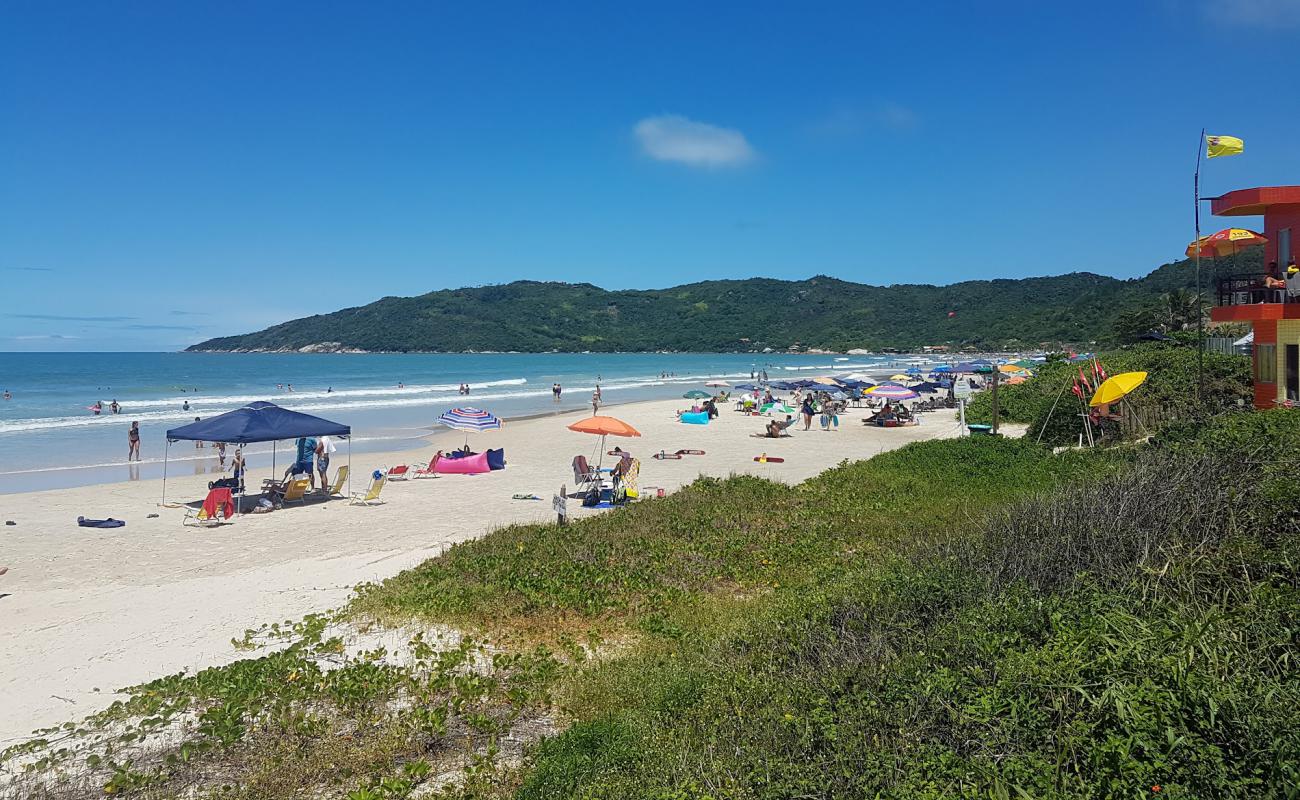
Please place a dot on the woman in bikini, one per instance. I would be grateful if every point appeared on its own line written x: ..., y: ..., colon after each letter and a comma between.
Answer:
x: 133, y: 442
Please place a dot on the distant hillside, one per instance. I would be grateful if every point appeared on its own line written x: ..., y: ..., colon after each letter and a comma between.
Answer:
x: 735, y: 315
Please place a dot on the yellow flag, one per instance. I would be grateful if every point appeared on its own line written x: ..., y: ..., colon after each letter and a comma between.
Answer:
x: 1216, y: 146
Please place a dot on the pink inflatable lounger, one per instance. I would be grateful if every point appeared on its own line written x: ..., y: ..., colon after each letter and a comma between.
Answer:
x: 470, y: 465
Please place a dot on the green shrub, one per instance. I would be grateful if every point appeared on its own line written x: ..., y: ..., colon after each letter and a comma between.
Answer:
x: 1046, y: 404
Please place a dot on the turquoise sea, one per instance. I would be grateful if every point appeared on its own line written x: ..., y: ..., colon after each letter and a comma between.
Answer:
x: 49, y: 438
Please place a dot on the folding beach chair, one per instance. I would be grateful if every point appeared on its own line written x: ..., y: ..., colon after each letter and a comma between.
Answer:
x: 584, y: 472
x: 370, y: 496
x: 426, y: 470
x: 340, y: 479
x: 217, y: 507
x: 399, y: 473
x: 296, y: 491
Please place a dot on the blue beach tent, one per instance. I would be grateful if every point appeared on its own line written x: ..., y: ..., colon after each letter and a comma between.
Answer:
x: 257, y: 422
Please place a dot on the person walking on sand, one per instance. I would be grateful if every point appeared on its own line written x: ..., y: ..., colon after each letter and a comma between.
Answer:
x: 595, y: 402
x: 133, y: 442
x: 806, y: 410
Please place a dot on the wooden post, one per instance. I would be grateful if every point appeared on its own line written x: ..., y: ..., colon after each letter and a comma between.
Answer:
x: 996, y: 374
x: 560, y: 504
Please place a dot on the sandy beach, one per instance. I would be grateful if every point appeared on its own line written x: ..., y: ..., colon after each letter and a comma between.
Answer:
x: 86, y: 611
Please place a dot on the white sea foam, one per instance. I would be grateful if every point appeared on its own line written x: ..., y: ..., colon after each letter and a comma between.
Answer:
x: 168, y: 410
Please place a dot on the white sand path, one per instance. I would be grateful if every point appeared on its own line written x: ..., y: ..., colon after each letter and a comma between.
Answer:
x: 84, y: 612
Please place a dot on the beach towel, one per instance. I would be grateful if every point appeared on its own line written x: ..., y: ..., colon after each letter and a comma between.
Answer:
x: 100, y: 523
x: 218, y: 499
x: 524, y: 497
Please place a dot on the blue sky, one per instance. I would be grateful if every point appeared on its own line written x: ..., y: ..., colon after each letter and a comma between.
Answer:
x: 174, y: 171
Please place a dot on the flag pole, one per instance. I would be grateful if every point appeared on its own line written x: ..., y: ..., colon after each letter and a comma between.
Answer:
x: 1200, y: 314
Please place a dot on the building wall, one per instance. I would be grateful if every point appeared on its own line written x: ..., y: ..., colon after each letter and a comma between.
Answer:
x: 1275, y: 219
x: 1288, y: 332
x: 1265, y: 334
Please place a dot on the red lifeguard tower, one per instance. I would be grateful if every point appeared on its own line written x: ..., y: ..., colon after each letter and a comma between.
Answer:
x: 1274, y: 314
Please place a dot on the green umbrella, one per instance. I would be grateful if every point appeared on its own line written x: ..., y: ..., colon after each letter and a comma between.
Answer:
x: 779, y: 407
x: 696, y: 394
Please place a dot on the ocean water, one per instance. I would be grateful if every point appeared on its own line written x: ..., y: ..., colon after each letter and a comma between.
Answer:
x: 49, y: 438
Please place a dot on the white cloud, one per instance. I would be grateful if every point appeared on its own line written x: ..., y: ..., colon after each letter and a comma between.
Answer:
x: 1253, y: 13
x: 670, y: 137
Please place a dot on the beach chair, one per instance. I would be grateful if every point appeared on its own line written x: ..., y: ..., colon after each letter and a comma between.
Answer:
x: 340, y: 480
x: 401, y: 472
x: 217, y: 507
x: 584, y: 472
x: 426, y: 470
x: 296, y: 491
x: 371, y: 496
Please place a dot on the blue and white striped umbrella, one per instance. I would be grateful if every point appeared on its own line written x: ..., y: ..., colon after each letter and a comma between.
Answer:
x: 470, y: 419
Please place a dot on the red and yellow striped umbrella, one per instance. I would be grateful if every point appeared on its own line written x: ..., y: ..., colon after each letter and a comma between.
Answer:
x: 1225, y: 242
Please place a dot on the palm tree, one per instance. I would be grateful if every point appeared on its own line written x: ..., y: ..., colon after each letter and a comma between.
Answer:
x: 1181, y: 309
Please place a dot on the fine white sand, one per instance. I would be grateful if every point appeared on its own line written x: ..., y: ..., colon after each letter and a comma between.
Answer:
x: 84, y: 611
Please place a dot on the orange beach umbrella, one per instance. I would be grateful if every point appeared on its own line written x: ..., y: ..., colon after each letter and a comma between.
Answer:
x: 1225, y: 242
x: 604, y: 426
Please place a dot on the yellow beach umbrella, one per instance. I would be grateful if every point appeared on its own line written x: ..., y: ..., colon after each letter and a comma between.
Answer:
x: 1015, y: 380
x: 1116, y: 387
x: 1014, y: 369
x: 824, y: 381
x: 1225, y: 242
x: 901, y: 377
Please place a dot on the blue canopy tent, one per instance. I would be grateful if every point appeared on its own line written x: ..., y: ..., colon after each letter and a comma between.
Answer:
x: 257, y: 422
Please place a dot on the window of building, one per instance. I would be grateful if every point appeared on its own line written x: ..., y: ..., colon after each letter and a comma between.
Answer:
x: 1284, y: 255
x: 1266, y: 363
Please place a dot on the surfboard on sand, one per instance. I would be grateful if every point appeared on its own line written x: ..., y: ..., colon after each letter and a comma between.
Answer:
x: 766, y: 459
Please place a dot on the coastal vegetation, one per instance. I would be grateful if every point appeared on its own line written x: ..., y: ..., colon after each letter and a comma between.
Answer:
x: 1171, y: 393
x: 974, y: 617
x: 741, y: 315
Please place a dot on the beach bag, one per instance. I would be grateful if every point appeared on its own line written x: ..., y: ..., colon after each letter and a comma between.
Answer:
x: 496, y: 459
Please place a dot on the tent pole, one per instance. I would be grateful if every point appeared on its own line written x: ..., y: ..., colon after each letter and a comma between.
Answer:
x: 166, y: 451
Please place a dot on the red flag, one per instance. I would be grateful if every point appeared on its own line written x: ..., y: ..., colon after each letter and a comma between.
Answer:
x: 1084, y: 380
x: 1077, y: 391
x: 1098, y: 370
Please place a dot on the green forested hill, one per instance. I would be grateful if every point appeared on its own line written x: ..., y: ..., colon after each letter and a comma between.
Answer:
x: 752, y: 314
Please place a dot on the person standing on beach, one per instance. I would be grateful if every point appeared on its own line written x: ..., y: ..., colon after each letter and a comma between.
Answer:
x: 198, y: 443
x: 595, y: 402
x: 323, y: 446
x: 806, y: 409
x: 133, y: 442
x: 302, y: 465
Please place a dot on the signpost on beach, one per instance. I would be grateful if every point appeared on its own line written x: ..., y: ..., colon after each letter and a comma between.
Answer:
x: 560, y: 505
x: 961, y: 391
